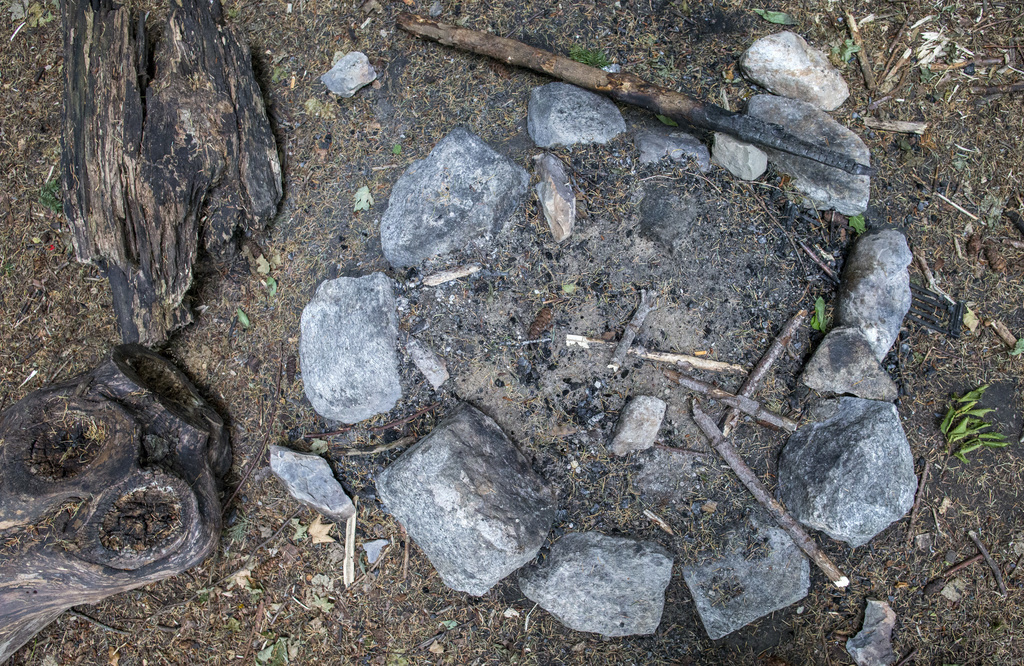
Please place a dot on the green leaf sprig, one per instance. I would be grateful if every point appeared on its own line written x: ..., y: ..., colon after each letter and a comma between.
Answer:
x: 963, y: 425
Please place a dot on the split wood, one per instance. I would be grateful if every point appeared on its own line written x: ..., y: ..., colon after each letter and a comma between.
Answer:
x: 658, y: 356
x: 744, y: 404
x: 629, y: 89
x: 904, y: 126
x: 988, y: 560
x: 862, y: 54
x: 750, y: 384
x: 447, y: 276
x: 349, y: 566
x: 1003, y: 333
x: 632, y: 329
x: 658, y: 521
x: 917, y: 502
x: 764, y: 498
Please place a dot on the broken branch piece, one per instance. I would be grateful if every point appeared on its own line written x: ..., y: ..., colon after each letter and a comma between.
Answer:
x: 632, y: 329
x: 630, y: 89
x: 742, y: 403
x: 657, y: 356
x: 764, y: 498
x: 989, y: 561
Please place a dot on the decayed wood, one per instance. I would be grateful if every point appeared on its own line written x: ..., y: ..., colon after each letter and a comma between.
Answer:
x: 750, y: 384
x: 629, y: 89
x: 108, y: 482
x: 153, y: 169
x: 632, y: 329
x: 764, y: 498
x: 657, y: 356
x: 742, y: 403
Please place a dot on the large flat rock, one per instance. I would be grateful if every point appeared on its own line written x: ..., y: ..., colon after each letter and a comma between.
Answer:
x: 348, y: 348
x: 786, y: 65
x: 561, y: 114
x: 845, y: 363
x: 613, y: 586
x: 459, y: 197
x: 470, y: 500
x: 850, y: 474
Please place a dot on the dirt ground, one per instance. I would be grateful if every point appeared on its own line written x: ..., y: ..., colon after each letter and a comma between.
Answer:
x: 271, y: 596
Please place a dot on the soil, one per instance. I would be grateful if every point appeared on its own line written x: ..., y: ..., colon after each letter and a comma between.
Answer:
x: 727, y: 279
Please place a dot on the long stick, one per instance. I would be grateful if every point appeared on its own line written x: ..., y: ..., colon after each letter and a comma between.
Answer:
x: 632, y: 329
x: 630, y: 89
x: 749, y: 386
x: 988, y: 560
x: 742, y: 403
x: 764, y: 498
x: 658, y: 356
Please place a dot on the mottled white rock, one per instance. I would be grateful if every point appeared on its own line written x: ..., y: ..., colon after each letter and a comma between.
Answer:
x: 349, y: 74
x: 638, y: 425
x: 741, y: 159
x: 557, y: 201
x: 678, y: 147
x: 309, y: 479
x: 430, y: 364
x: 786, y: 65
x: 560, y: 114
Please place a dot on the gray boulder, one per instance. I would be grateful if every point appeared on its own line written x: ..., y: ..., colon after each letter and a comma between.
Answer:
x: 470, y: 500
x: 347, y: 348
x: 743, y: 585
x: 561, y: 114
x: 638, y: 425
x: 874, y: 293
x: 459, y: 196
x: 613, y: 586
x: 851, y: 474
x: 823, y: 187
x: 743, y: 160
x: 845, y: 363
x: 786, y: 65
x: 872, y: 646
x: 678, y: 147
x: 557, y: 200
x: 309, y: 479
x: 349, y: 74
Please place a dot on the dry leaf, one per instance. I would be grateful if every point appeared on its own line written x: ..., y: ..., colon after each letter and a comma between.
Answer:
x: 995, y: 258
x: 436, y: 648
x: 115, y: 657
x: 242, y: 578
x: 318, y: 531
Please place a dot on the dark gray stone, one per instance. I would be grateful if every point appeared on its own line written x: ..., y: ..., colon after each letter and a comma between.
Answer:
x: 561, y: 114
x: 786, y: 65
x: 746, y: 583
x: 874, y: 293
x: 823, y: 187
x: 470, y: 500
x: 638, y: 425
x: 872, y: 646
x: 666, y: 216
x: 349, y: 74
x: 347, y: 350
x: 460, y: 196
x: 309, y: 479
x: 557, y: 200
x: 613, y: 586
x: 669, y: 477
x: 850, y: 475
x: 678, y: 147
x: 743, y: 160
x: 845, y: 363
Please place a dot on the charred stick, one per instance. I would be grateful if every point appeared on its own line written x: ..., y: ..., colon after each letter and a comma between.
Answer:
x: 742, y: 403
x: 749, y: 386
x: 764, y: 498
x: 988, y: 560
x: 632, y: 329
x: 917, y: 502
x: 630, y: 89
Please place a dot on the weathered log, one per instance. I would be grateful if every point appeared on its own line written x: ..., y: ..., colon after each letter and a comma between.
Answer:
x: 108, y: 482
x: 151, y: 169
x: 630, y: 89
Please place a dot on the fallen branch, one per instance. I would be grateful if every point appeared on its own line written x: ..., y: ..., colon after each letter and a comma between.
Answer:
x: 658, y: 356
x: 988, y: 560
x: 993, y: 90
x: 862, y: 54
x: 749, y: 386
x: 380, y: 448
x: 630, y: 89
x: 348, y: 566
x: 764, y: 498
x: 742, y: 403
x: 381, y: 428
x: 632, y: 329
x: 917, y: 502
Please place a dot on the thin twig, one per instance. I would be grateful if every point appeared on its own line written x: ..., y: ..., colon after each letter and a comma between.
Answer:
x: 962, y: 565
x: 922, y: 263
x: 750, y: 384
x: 101, y: 625
x: 993, y: 90
x: 764, y: 498
x: 438, y: 636
x: 381, y: 428
x: 957, y: 206
x: 405, y: 556
x: 683, y: 360
x: 917, y: 502
x: 906, y: 660
x: 744, y: 404
x: 632, y: 329
x: 398, y: 443
x: 814, y: 257
x: 988, y: 560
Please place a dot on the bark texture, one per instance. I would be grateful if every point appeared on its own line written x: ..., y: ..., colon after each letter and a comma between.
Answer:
x: 153, y: 168
x: 108, y: 482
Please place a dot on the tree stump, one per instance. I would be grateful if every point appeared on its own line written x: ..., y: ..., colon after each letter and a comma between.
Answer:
x: 108, y: 482
x: 152, y: 168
